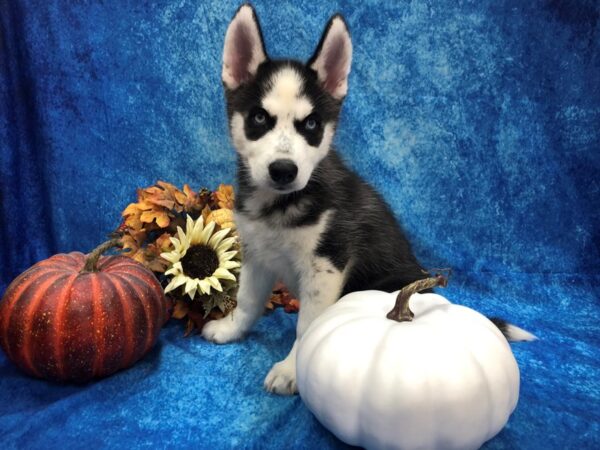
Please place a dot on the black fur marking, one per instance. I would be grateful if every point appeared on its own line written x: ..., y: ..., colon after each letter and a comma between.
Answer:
x: 254, y: 130
x: 313, y: 137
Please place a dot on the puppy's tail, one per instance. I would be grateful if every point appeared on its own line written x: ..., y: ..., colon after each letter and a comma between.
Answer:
x: 512, y: 332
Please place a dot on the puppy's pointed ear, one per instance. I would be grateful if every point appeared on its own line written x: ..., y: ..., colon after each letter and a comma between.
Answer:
x: 333, y: 56
x: 244, y: 49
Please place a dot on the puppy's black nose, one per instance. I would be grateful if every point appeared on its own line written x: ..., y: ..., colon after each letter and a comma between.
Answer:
x: 283, y: 171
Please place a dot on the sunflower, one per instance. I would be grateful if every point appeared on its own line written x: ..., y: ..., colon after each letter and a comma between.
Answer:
x: 201, y: 259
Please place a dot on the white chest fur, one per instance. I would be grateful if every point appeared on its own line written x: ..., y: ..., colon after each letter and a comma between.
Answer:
x: 287, y: 251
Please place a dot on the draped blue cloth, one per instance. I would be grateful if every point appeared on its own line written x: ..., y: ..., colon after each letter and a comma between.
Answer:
x: 478, y: 122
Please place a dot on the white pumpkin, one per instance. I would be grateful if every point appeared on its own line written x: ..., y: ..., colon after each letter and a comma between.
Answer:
x: 447, y: 379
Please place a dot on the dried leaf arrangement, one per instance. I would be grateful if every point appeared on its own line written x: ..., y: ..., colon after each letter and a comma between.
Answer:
x: 188, y: 239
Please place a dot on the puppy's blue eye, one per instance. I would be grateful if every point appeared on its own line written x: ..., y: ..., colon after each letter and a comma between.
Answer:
x: 310, y: 124
x: 259, y: 118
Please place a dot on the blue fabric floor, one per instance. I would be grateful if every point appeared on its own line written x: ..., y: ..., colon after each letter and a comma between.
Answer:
x: 478, y: 122
x: 190, y: 393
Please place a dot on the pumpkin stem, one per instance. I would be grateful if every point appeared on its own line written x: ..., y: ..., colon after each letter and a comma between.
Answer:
x: 93, y: 257
x: 401, y: 311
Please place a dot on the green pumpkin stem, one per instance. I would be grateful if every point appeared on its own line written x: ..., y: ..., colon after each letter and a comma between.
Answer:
x: 401, y: 311
x: 93, y: 257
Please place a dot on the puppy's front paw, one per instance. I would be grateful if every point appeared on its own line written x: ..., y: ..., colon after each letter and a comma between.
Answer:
x: 222, y: 331
x: 282, y: 378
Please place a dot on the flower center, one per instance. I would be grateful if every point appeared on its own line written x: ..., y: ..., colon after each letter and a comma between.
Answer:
x: 200, y: 261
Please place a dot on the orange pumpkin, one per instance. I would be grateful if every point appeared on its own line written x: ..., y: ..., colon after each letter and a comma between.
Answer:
x: 74, y: 317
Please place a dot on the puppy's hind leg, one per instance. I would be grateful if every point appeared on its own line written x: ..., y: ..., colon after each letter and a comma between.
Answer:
x: 320, y: 287
x: 255, y: 285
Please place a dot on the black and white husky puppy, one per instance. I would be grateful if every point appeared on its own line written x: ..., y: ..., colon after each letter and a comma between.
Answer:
x: 303, y: 216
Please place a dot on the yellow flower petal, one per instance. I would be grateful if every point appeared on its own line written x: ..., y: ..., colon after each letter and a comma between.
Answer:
x: 175, y: 283
x: 171, y: 271
x: 175, y: 269
x: 214, y: 282
x: 226, y: 244
x: 224, y: 274
x: 190, y: 287
x: 189, y: 225
x: 185, y: 244
x: 190, y: 284
x: 230, y: 265
x: 197, y: 230
x: 176, y: 243
x: 216, y: 238
x: 204, y: 286
x: 172, y: 257
x: 207, y: 232
x: 226, y: 256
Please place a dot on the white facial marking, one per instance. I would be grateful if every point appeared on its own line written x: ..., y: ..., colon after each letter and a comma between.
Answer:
x: 284, y: 99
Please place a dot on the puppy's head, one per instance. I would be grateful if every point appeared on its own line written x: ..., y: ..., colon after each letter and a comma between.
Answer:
x: 283, y: 113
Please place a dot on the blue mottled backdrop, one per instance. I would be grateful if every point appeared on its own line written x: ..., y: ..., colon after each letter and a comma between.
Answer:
x: 478, y: 120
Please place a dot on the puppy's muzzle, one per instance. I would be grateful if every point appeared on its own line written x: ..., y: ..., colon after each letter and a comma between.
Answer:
x: 283, y: 171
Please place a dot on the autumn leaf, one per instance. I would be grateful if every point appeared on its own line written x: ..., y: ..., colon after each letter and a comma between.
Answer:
x: 132, y: 208
x: 169, y: 188
x: 293, y: 306
x: 189, y: 327
x: 222, y: 217
x: 162, y: 218
x: 180, y: 310
x: 163, y: 242
x: 281, y: 297
x: 224, y: 196
x: 206, y: 213
x: 133, y: 239
x: 188, y: 199
x: 169, y: 204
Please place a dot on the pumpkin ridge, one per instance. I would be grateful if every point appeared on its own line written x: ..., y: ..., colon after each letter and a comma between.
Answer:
x: 501, y: 342
x: 11, y: 300
x: 323, y: 343
x: 30, y: 312
x: 109, y: 263
x: 148, y: 278
x: 138, y: 316
x: 114, y: 326
x: 128, y: 345
x: 484, y: 378
x: 382, y: 339
x: 123, y: 266
x: 59, y: 326
x: 7, y: 303
x: 475, y: 361
x: 149, y: 309
x: 70, y: 262
x: 98, y: 323
x: 132, y: 282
